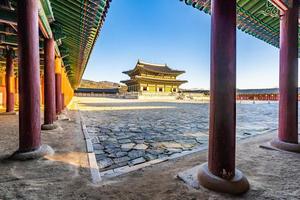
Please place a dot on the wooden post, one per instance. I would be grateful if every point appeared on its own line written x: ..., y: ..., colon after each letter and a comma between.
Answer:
x: 29, y: 83
x: 63, y: 86
x: 223, y: 88
x: 288, y: 81
x: 49, y: 84
x: 220, y: 173
x: 16, y: 89
x: 288, y: 85
x: 42, y: 88
x: 9, y: 82
x: 29, y: 75
x: 62, y: 101
x: 58, y: 85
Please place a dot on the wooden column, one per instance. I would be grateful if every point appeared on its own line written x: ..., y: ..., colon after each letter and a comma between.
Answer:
x: 49, y: 84
x: 42, y: 88
x: 9, y: 82
x: 29, y: 75
x: 288, y: 81
x: 62, y: 101
x: 16, y: 89
x: 63, y: 85
x: 223, y: 89
x: 58, y: 85
x: 220, y: 173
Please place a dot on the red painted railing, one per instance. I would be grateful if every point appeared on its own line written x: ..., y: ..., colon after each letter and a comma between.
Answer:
x: 260, y: 97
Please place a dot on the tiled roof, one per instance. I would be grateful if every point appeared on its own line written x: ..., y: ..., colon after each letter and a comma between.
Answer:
x: 157, y: 68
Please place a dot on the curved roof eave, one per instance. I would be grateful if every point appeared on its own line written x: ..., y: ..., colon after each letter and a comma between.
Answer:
x: 259, y: 18
x: 80, y: 23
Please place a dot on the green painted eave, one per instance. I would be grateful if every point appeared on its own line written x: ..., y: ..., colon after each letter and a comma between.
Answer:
x: 80, y: 22
x: 258, y: 18
x: 74, y: 24
x: 48, y: 10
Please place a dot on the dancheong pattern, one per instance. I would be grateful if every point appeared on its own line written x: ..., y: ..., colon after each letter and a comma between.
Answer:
x: 258, y: 18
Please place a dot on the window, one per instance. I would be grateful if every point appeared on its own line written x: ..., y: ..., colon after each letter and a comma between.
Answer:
x: 160, y: 89
x: 144, y: 88
x: 174, y: 90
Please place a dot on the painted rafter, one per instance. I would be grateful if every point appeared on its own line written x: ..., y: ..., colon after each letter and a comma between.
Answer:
x: 259, y: 18
x: 75, y: 25
x: 281, y: 5
x: 81, y: 21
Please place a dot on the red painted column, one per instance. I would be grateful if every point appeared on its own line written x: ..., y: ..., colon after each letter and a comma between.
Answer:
x: 58, y: 93
x: 10, y: 96
x: 221, y: 156
x: 58, y: 85
x: 49, y: 82
x: 219, y: 174
x: 288, y: 80
x: 29, y: 76
x: 16, y: 89
x: 62, y: 101
x: 42, y: 87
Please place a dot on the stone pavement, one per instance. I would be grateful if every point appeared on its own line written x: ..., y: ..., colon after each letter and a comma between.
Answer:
x: 131, y: 132
x: 66, y: 175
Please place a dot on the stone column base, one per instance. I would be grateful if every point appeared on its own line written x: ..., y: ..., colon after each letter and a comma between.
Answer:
x: 38, y: 153
x: 285, y: 146
x: 49, y: 127
x: 238, y: 185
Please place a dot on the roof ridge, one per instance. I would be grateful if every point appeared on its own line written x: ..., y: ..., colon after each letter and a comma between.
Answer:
x: 152, y: 64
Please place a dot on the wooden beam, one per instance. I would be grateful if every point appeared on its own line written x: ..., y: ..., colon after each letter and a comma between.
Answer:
x: 8, y: 16
x: 280, y: 5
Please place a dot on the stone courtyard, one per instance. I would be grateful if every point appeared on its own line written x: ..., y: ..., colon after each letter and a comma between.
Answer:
x: 131, y: 132
x: 67, y: 174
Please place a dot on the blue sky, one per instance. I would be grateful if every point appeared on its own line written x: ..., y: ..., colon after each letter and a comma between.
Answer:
x: 168, y: 31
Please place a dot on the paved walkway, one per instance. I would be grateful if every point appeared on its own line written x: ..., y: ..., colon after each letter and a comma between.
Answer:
x: 131, y: 132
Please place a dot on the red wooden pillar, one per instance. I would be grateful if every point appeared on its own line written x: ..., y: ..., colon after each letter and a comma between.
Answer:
x: 29, y: 75
x: 63, y: 89
x: 49, y: 85
x: 62, y: 101
x: 16, y: 89
x: 58, y: 85
x: 29, y: 83
x: 58, y: 93
x: 288, y: 81
x: 220, y: 173
x: 10, y: 96
x: 42, y: 88
x: 223, y: 85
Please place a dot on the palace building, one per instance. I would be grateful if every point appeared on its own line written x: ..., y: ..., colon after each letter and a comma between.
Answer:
x: 148, y: 77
